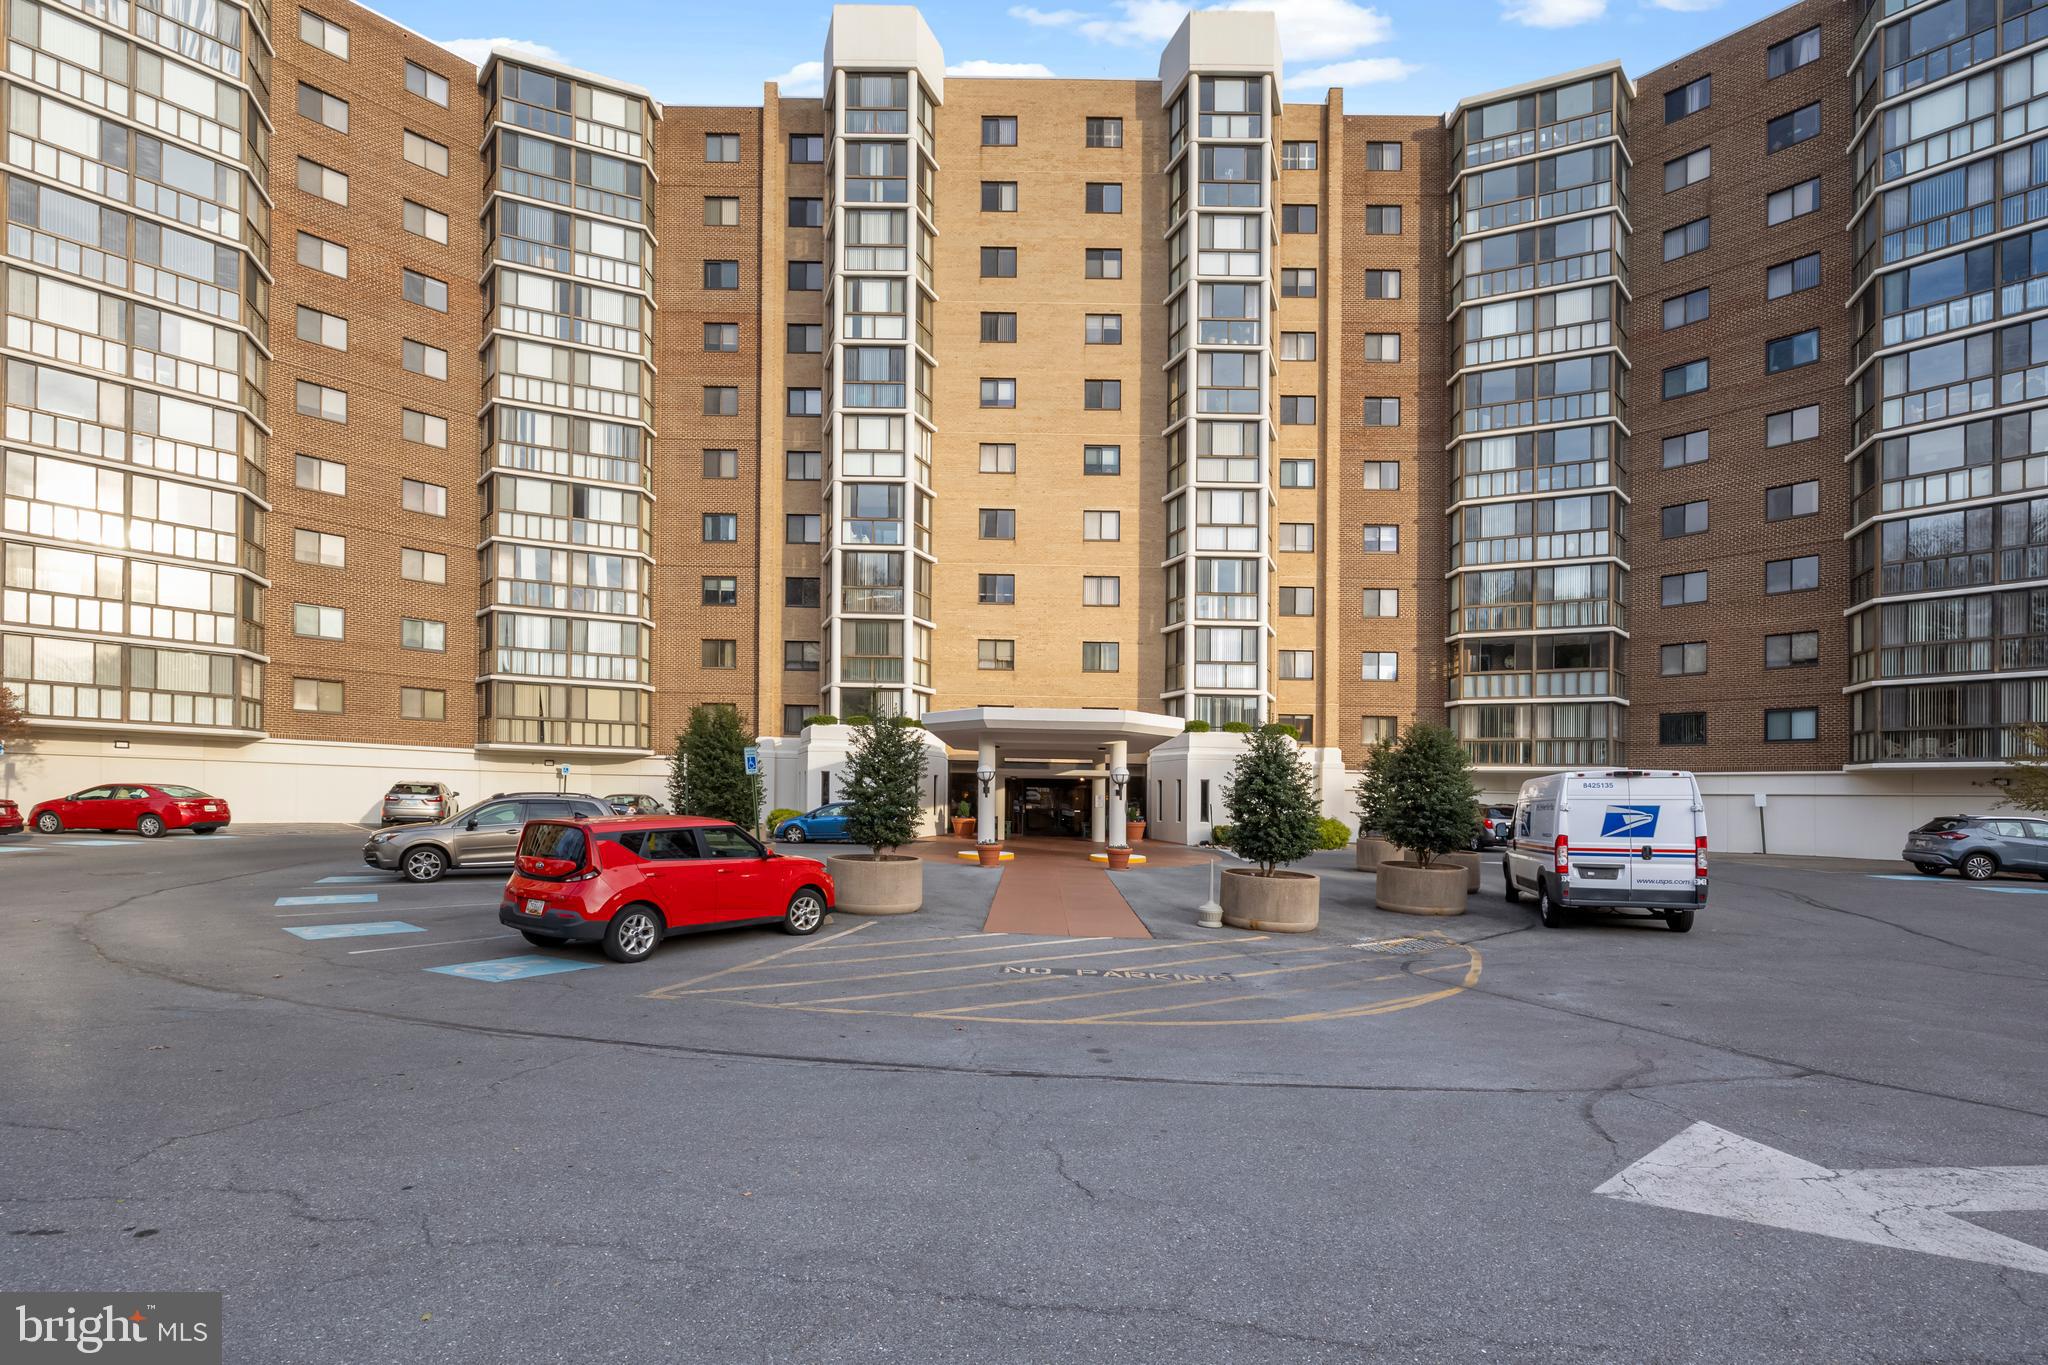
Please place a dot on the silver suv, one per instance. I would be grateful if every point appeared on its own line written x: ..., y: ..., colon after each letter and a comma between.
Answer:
x: 483, y: 838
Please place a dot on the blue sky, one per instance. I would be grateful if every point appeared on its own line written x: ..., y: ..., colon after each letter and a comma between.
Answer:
x: 1408, y: 56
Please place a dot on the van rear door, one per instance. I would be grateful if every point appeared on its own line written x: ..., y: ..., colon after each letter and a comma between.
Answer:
x: 1652, y: 824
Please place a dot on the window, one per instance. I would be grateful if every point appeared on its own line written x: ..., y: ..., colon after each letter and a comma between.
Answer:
x: 1102, y: 395
x: 329, y: 258
x: 329, y: 37
x: 1685, y: 519
x: 1103, y: 329
x: 420, y: 358
x: 721, y: 464
x: 998, y: 523
x: 1104, y: 263
x: 1105, y: 132
x: 1298, y: 537
x: 426, y: 153
x: 805, y: 402
x: 1382, y: 540
x: 1298, y: 410
x: 998, y: 131
x: 998, y: 196
x: 999, y: 393
x: 322, y: 329
x: 998, y: 458
x: 1383, y: 412
x: 998, y: 327
x: 1791, y: 726
x: 317, y: 400
x: 1688, y: 239
x: 1380, y: 284
x: 1297, y: 473
x: 1792, y: 500
x: 1682, y: 727
x: 1801, y: 49
x: 1684, y: 589
x: 424, y: 429
x: 422, y: 703
x: 997, y: 590
x: 1298, y: 284
x: 1789, y: 353
x: 721, y: 592
x: 1801, y: 649
x: 428, y: 499
x: 1689, y: 169
x: 431, y: 636
x: 1297, y: 601
x: 316, y: 475
x: 422, y: 221
x: 1297, y: 156
x: 1678, y: 660
x: 423, y: 566
x: 800, y: 656
x: 1382, y: 348
x: 801, y: 528
x: 806, y: 213
x: 721, y: 146
x: 1103, y: 198
x: 721, y: 211
x: 1297, y: 345
x: 316, y: 694
x: 799, y: 592
x: 1794, y: 201
x: 425, y: 290
x: 318, y: 547
x: 1381, y: 603
x: 1382, y: 156
x: 1102, y: 459
x: 721, y: 336
x: 720, y: 653
x: 802, y: 466
x: 721, y: 527
x: 1792, y: 575
x: 1684, y: 309
x: 1681, y: 380
x: 999, y: 262
x: 804, y: 338
x: 1789, y: 130
x: 316, y: 623
x: 721, y: 274
x: 330, y: 185
x: 807, y: 276
x: 1102, y: 525
x: 1101, y: 591
x: 316, y: 104
x: 426, y: 84
x: 1800, y: 424
x: 806, y: 149
x: 1690, y: 448
x: 998, y: 655
x: 1382, y: 475
x: 1688, y: 99
x: 1099, y: 656
x: 1297, y: 664
x: 1792, y: 277
x: 1379, y: 667
x: 794, y: 715
x: 1383, y: 220
x: 1302, y: 218
x: 721, y: 400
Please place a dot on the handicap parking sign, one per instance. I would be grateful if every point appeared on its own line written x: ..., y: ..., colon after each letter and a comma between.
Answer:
x: 512, y: 968
x: 753, y: 761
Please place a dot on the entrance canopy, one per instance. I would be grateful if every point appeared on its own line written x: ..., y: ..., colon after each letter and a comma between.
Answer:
x: 1079, y: 735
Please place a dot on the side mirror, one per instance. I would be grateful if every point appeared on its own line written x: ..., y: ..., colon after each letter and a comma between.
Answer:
x: 471, y: 824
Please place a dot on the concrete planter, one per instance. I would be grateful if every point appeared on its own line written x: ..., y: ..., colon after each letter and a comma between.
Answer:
x: 890, y: 884
x: 1373, y: 850
x: 989, y: 855
x: 1409, y: 889
x: 1285, y: 903
x: 1468, y: 861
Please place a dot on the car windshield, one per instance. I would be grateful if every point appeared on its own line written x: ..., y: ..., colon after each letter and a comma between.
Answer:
x: 1944, y: 824
x: 182, y: 793
x: 544, y: 840
x: 412, y: 789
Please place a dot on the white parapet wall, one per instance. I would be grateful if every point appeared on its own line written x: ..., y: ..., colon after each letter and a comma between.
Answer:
x: 803, y: 772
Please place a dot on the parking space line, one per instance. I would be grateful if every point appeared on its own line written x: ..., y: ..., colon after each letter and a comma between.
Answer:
x: 1959, y: 882
x: 667, y: 992
x: 437, y: 943
x: 849, y: 961
x: 94, y: 843
x: 355, y: 898
x: 353, y: 877
x: 1013, y: 981
x: 924, y: 971
x: 380, y: 909
x: 359, y: 929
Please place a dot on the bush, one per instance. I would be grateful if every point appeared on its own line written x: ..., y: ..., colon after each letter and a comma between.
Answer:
x: 1372, y: 789
x: 1276, y: 728
x: 883, y: 777
x: 779, y: 814
x: 1426, y: 800
x: 1332, y: 834
x: 1236, y: 727
x: 858, y: 720
x: 964, y: 811
x: 1272, y: 804
x: 708, y: 772
x: 1195, y: 727
x: 1219, y: 835
x: 809, y: 721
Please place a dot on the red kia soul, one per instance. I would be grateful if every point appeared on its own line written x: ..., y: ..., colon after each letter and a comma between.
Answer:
x: 630, y: 881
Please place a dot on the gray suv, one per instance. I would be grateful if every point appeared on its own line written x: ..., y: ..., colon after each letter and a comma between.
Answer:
x: 1979, y: 846
x: 483, y: 838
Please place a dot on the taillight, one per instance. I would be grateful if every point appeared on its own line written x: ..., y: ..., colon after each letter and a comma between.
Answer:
x: 1563, y: 856
x: 1951, y: 834
x: 1699, y: 857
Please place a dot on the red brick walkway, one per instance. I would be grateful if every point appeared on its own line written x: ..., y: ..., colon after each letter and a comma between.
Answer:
x: 1051, y: 888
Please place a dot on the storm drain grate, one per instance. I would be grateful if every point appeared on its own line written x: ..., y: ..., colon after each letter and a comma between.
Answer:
x: 1399, y: 946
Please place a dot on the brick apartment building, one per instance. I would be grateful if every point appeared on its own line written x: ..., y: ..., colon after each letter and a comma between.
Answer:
x: 373, y: 414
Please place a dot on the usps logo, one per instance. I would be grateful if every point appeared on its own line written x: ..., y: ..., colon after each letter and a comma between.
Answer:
x: 1629, y: 822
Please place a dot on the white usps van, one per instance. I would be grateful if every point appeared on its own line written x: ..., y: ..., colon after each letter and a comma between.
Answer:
x: 1610, y: 841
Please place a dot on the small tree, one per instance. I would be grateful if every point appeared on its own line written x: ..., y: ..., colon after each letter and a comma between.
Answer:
x: 2027, y: 773
x: 884, y: 776
x: 13, y: 721
x: 1274, y: 815
x: 1425, y: 794
x: 708, y: 775
x: 1372, y: 789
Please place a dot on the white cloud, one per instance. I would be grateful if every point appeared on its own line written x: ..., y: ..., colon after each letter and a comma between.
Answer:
x: 476, y: 51
x: 1359, y: 71
x: 980, y: 67
x: 1040, y: 18
x: 1310, y: 30
x: 1138, y: 23
x: 805, y: 78
x: 1552, y: 13
x: 1684, y: 6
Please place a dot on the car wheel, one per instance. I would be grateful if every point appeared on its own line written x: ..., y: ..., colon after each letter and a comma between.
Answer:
x: 1680, y: 921
x: 1548, y: 910
x: 805, y: 913
x: 792, y: 834
x: 542, y: 940
x: 1980, y: 867
x: 150, y: 826
x: 48, y: 823
x: 1927, y: 869
x: 633, y: 933
x: 1507, y: 877
x: 423, y: 864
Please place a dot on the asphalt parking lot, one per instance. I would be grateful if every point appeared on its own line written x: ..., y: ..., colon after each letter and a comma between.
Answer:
x: 390, y: 1129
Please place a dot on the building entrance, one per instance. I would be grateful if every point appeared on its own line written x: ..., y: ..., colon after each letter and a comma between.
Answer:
x: 1056, y: 807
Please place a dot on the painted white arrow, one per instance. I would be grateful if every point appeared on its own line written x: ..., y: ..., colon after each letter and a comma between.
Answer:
x: 1713, y: 1171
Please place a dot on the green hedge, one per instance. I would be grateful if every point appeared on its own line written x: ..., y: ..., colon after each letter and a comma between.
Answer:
x: 778, y: 815
x: 1332, y: 834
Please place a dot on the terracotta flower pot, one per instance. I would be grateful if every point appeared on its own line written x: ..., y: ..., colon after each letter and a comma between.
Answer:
x: 1284, y: 903
x: 871, y: 884
x: 1410, y: 889
x: 989, y: 855
x: 1134, y: 830
x: 1119, y: 858
x: 963, y: 827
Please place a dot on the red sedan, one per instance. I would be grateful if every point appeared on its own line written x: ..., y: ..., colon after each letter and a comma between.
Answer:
x: 10, y: 818
x: 149, y: 810
x: 630, y: 881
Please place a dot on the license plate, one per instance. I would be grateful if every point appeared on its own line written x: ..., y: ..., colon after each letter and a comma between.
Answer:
x: 1601, y: 874
x: 533, y: 907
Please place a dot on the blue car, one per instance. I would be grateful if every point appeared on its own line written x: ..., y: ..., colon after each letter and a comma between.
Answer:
x: 826, y: 822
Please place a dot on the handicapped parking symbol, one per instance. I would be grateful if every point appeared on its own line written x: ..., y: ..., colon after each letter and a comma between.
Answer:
x: 512, y: 968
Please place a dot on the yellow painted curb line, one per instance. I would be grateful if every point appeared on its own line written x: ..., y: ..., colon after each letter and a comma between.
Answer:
x: 1136, y: 858
x: 973, y: 857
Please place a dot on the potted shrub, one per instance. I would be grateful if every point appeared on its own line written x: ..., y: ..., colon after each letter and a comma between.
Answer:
x: 1134, y: 822
x: 1426, y: 804
x: 963, y: 819
x: 1119, y: 857
x: 1374, y: 847
x: 884, y: 776
x: 1274, y: 820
